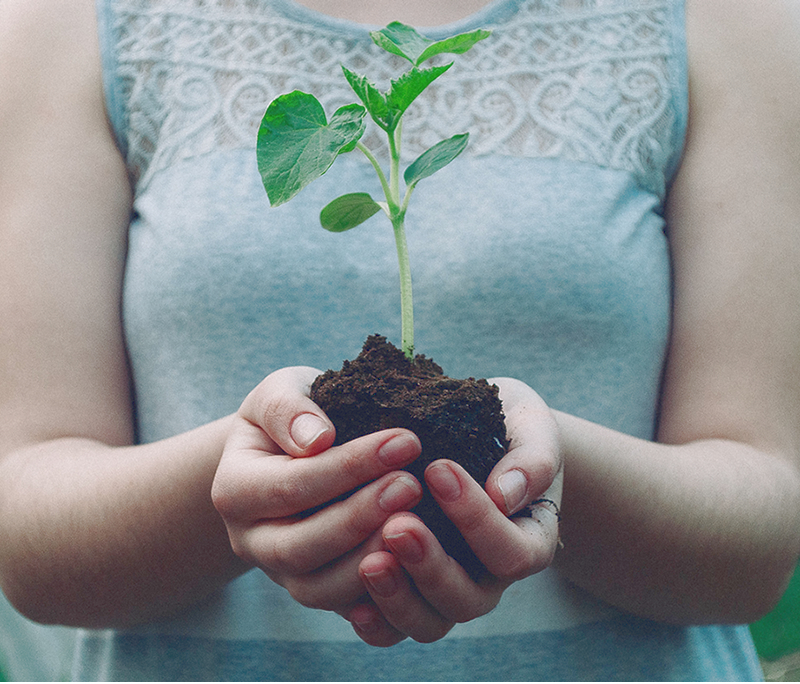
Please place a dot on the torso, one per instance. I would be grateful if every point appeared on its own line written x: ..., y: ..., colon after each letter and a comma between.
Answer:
x: 540, y: 253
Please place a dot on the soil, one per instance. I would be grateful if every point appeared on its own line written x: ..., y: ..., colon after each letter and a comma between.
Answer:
x: 461, y: 420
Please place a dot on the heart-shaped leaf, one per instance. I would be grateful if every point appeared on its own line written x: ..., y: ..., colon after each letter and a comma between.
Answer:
x: 348, y: 211
x: 405, y: 41
x: 436, y: 158
x: 297, y: 144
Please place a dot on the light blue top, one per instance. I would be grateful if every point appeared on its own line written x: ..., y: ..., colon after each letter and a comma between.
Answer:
x: 540, y: 254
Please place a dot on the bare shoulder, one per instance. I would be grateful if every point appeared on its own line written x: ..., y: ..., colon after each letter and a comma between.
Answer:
x: 49, y: 58
x: 64, y: 210
x: 746, y: 49
x: 732, y: 215
x: 57, y: 34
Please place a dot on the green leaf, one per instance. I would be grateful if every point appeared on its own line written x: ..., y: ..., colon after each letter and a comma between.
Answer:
x: 373, y: 99
x: 387, y: 109
x: 297, y: 144
x: 348, y: 211
x: 407, y: 88
x: 405, y: 41
x: 457, y: 45
x: 436, y: 158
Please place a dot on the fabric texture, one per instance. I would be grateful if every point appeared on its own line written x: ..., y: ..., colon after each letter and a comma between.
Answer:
x: 540, y: 254
x: 30, y: 652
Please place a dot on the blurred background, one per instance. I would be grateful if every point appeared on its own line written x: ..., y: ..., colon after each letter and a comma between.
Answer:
x: 777, y: 636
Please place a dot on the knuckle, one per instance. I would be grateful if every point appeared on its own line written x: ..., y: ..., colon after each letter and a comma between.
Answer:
x: 286, y: 556
x: 240, y: 548
x: 234, y: 503
x: 351, y: 463
x: 223, y: 500
x: 473, y: 524
x: 516, y: 566
x: 306, y: 592
x: 358, y: 519
x: 288, y: 494
x: 276, y: 408
x: 546, y: 469
x: 274, y: 398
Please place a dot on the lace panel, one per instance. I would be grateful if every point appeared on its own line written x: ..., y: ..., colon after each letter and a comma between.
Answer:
x: 583, y: 80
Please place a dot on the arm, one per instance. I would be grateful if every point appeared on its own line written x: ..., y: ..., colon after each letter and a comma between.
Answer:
x: 706, y: 526
x: 93, y: 532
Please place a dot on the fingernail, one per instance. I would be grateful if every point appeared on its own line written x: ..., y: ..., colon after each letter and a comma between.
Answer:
x: 306, y: 429
x: 364, y: 619
x: 382, y: 583
x: 399, y: 450
x: 441, y: 478
x: 513, y: 486
x: 406, y: 546
x: 401, y: 494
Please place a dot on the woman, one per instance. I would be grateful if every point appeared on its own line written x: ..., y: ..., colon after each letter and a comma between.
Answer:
x: 631, y: 263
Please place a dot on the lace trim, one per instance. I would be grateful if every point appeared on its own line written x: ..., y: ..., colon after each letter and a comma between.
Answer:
x: 583, y: 80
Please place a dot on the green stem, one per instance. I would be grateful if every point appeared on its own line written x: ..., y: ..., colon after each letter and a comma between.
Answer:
x: 396, y: 213
x: 406, y: 297
x: 394, y: 165
x: 377, y: 166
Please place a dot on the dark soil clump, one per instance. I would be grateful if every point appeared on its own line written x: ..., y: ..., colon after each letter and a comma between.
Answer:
x: 461, y: 420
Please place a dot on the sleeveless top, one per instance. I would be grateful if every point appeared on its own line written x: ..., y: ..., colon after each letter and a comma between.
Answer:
x: 541, y: 253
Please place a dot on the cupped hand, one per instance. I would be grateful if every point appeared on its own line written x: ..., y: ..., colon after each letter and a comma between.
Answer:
x: 278, y: 463
x: 417, y: 590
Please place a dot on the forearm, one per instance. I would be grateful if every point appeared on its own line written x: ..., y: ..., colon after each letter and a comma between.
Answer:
x: 696, y: 533
x: 98, y: 536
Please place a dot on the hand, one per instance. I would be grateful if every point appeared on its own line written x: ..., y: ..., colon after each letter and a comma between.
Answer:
x: 415, y: 589
x: 278, y: 463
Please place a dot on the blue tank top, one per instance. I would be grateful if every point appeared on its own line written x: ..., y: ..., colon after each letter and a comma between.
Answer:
x: 540, y: 254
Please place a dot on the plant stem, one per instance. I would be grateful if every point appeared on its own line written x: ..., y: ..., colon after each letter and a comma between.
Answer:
x: 396, y: 214
x: 394, y: 165
x: 406, y: 297
x: 376, y: 165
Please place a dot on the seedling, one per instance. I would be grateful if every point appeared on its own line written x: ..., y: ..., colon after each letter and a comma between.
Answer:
x: 297, y: 144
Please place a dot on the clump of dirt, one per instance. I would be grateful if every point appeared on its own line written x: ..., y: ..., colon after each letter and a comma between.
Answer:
x: 461, y: 420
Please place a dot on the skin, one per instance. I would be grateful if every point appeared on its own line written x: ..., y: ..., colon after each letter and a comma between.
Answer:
x: 701, y: 526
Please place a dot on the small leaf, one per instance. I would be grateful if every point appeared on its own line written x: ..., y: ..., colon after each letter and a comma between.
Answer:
x: 402, y: 40
x: 297, y: 144
x: 373, y: 99
x: 407, y: 42
x: 387, y: 109
x: 408, y: 87
x: 457, y: 45
x: 436, y: 158
x: 348, y: 211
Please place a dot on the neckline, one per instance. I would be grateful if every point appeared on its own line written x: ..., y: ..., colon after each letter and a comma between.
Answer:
x: 487, y: 14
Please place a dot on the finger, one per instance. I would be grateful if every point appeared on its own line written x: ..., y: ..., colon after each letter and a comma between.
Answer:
x: 399, y: 602
x: 335, y: 586
x: 292, y: 546
x: 372, y: 627
x: 534, y: 458
x: 511, y: 549
x: 280, y: 406
x: 544, y: 517
x: 253, y: 485
x: 441, y: 592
